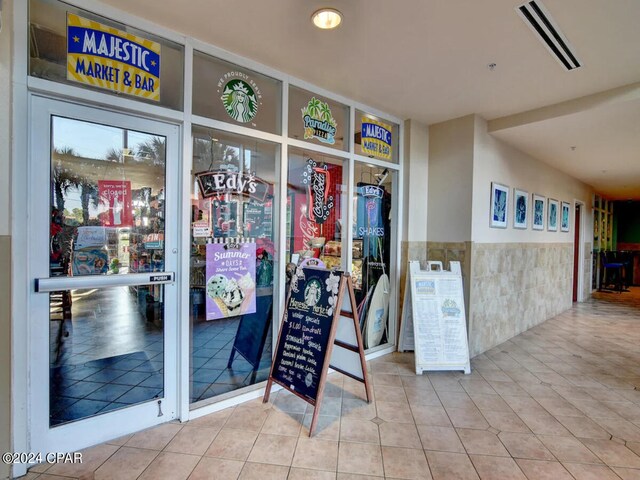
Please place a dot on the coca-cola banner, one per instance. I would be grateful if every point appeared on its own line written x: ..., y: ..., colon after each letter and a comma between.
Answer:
x: 115, y: 197
x: 318, y: 182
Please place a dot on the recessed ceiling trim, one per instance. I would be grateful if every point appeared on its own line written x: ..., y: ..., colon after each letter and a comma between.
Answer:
x: 536, y: 16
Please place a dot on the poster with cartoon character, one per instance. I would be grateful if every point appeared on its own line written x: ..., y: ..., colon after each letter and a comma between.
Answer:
x: 231, y: 279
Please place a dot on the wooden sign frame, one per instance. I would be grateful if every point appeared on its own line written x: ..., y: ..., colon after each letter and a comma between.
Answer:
x: 434, y: 310
x: 348, y: 355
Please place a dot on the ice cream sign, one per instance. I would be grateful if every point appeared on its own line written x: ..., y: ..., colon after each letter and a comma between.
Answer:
x: 376, y: 138
x: 104, y: 57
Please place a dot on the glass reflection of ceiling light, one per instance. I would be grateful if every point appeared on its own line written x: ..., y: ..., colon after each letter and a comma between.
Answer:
x: 326, y: 18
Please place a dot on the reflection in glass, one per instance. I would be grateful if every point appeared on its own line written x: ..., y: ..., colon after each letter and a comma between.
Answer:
x: 107, y: 218
x: 233, y: 262
x: 371, y: 251
x: 315, y: 204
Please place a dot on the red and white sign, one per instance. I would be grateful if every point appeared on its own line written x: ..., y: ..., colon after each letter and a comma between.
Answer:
x: 115, y: 197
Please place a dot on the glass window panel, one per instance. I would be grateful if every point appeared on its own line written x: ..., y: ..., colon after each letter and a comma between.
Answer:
x: 107, y: 199
x: 317, y: 119
x: 48, y: 53
x: 372, y: 237
x: 376, y: 137
x: 229, y: 93
x: 91, y: 369
x: 316, y: 208
x: 233, y: 262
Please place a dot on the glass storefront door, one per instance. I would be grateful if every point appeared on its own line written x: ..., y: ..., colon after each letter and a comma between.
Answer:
x: 103, y: 225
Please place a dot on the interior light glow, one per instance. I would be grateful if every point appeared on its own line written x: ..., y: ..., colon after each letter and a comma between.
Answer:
x: 326, y: 18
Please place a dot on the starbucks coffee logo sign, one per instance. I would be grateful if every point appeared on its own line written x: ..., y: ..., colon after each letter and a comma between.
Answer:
x: 240, y: 96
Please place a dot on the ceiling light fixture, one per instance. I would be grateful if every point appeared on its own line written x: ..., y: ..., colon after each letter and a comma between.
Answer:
x: 326, y: 18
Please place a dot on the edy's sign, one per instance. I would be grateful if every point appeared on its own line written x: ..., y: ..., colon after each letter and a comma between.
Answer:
x: 108, y: 58
x: 376, y: 138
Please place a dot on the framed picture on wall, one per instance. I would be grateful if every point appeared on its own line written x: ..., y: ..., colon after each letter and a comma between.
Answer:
x: 552, y: 222
x: 499, y: 205
x: 538, y: 212
x: 564, y: 223
x: 520, y: 208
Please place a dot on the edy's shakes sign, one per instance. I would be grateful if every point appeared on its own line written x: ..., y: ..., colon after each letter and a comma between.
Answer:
x: 108, y: 58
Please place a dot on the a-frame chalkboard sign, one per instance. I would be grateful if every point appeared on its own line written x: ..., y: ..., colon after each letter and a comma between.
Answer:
x: 319, y: 330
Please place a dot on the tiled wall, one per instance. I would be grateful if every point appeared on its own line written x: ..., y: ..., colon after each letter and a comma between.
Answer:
x: 409, y: 251
x: 514, y: 287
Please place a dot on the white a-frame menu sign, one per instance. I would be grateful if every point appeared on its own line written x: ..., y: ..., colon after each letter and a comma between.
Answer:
x: 434, y: 321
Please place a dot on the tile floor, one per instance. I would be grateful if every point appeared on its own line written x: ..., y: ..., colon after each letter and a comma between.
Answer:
x: 560, y: 401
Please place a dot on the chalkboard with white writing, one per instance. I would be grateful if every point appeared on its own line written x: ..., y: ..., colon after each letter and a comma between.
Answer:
x: 305, y: 331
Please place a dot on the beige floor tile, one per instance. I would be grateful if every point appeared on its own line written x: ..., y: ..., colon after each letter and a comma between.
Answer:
x: 524, y: 445
x: 477, y: 387
x: 510, y: 388
x: 544, y: 424
x: 261, y: 471
x: 634, y: 447
x: 385, y: 379
x: 405, y: 463
x: 288, y: 402
x: 192, y: 440
x: 31, y: 476
x: 399, y: 435
x: 40, y: 468
x: 210, y: 468
x: 154, y: 438
x: 448, y: 466
x: 490, y: 403
x: 383, y: 366
x: 612, y: 453
x: 46, y: 476
x: 283, y: 423
x: 422, y: 397
x: 455, y: 400
x: 248, y: 419
x: 213, y: 420
x: 467, y: 418
x: 496, y: 468
x: 384, y: 393
x: 583, y: 427
x: 353, y: 476
x: 127, y: 463
x: 543, y: 470
x: 419, y: 382
x: 394, y: 412
x: 627, y: 473
x: 316, y: 454
x: 559, y: 406
x: 273, y: 449
x: 443, y: 439
x: 360, y: 458
x: 120, y: 440
x: 232, y: 444
x: 359, y: 430
x: 525, y: 405
x: 92, y: 458
x: 505, y: 422
x: 434, y: 415
x: 355, y: 407
x: 302, y: 474
x: 327, y: 428
x: 568, y: 449
x: 481, y: 442
x: 619, y: 427
x: 331, y: 406
x: 582, y: 471
x: 170, y: 466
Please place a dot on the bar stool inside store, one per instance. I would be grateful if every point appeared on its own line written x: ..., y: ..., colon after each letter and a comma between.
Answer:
x: 613, y: 273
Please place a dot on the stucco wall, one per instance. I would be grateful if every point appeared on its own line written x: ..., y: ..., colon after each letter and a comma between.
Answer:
x: 450, y: 180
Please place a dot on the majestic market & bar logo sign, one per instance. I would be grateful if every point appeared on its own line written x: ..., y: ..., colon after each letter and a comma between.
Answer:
x: 104, y: 57
x: 376, y: 138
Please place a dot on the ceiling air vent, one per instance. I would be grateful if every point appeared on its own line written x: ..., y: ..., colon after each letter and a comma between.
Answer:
x: 537, y: 17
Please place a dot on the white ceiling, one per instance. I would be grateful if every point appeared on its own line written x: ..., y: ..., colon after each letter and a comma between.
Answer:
x: 428, y: 60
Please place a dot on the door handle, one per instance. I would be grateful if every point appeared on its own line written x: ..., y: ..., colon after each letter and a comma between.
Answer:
x: 56, y: 284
